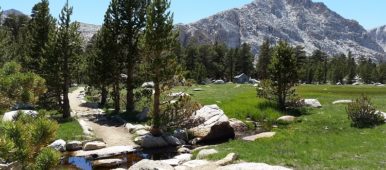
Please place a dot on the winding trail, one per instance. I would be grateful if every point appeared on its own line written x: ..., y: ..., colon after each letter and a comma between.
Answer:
x: 110, y: 130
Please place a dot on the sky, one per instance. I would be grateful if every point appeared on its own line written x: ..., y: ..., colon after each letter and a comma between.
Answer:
x: 368, y: 13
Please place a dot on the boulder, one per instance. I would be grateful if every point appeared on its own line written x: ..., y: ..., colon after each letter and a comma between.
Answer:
x: 10, y: 116
x: 215, y: 125
x: 94, y: 145
x: 150, y: 141
x: 133, y: 128
x: 254, y: 81
x: 252, y: 166
x: 286, y: 119
x: 151, y: 165
x: 238, y: 125
x: 198, y: 89
x: 171, y: 162
x: 173, y: 141
x: 148, y: 85
x: 383, y: 114
x: 259, y: 136
x: 59, y: 145
x: 230, y: 158
x: 108, y: 163
x: 195, y: 163
x: 205, y: 153
x: 74, y: 146
x: 105, y: 152
x: 356, y: 84
x: 218, y: 82
x: 312, y: 103
x: 184, y: 157
x: 342, y: 102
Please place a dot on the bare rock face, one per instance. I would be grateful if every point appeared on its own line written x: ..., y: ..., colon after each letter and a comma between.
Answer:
x: 215, y: 126
x: 301, y: 22
x: 87, y: 31
x: 379, y: 35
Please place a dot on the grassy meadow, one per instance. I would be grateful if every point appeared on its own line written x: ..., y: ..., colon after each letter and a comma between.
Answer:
x: 322, y: 139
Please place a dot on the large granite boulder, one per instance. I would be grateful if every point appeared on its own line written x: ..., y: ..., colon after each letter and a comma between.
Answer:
x: 10, y: 116
x: 151, y: 165
x: 215, y: 125
x: 105, y: 152
x: 286, y: 119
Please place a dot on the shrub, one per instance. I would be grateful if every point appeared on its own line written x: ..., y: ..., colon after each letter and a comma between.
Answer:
x: 177, y: 113
x: 362, y: 113
x: 47, y: 159
x: 25, y: 139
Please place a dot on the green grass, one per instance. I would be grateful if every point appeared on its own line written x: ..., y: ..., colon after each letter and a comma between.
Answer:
x: 323, y: 139
x: 69, y: 130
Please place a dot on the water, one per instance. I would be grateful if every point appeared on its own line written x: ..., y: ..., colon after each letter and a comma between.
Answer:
x: 132, y: 158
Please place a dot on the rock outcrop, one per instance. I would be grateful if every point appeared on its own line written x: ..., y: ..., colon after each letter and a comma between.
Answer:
x: 379, y: 35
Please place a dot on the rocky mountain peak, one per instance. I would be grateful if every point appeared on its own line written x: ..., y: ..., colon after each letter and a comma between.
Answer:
x: 301, y: 22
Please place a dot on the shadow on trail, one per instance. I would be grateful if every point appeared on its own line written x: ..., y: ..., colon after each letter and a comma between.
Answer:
x: 105, y: 120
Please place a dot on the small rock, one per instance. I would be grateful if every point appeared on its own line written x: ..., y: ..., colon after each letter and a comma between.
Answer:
x: 94, y: 145
x: 108, y: 162
x: 219, y: 82
x: 59, y: 145
x: 259, y: 136
x: 227, y: 160
x: 142, y: 132
x: 150, y: 141
x: 148, y: 85
x: 205, y: 153
x: 342, y: 102
x: 133, y: 128
x: 151, y: 165
x: 286, y: 119
x: 183, y: 150
x: 178, y: 94
x: 198, y: 89
x: 74, y: 146
x: 312, y: 103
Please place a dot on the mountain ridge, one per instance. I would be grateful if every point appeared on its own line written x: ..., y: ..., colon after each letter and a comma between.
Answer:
x: 301, y: 22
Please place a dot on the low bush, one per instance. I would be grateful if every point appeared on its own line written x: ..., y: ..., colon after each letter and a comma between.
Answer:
x: 363, y: 114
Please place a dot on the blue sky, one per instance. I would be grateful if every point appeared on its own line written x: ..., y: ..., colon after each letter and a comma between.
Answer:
x: 369, y: 13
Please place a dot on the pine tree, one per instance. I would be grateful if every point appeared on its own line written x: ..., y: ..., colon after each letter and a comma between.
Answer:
x: 283, y: 72
x: 264, y: 60
x: 111, y: 37
x: 351, y: 68
x: 68, y: 47
x: 41, y: 30
x: 245, y: 60
x: 132, y: 20
x: 159, y: 40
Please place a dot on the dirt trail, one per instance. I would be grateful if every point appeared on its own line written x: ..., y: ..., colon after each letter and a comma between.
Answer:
x: 110, y: 130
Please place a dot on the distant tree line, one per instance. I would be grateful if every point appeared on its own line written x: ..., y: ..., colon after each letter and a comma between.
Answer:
x: 320, y: 68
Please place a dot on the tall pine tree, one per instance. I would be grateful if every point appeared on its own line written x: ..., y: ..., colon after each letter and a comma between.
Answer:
x: 264, y: 60
x: 159, y: 41
x: 68, y: 47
